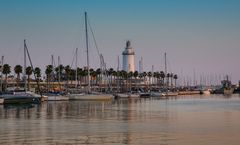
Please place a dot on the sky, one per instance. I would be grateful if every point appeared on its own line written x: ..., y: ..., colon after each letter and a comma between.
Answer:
x: 200, y: 37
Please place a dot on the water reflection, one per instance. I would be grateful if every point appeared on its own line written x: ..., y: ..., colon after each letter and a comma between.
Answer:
x: 182, y: 120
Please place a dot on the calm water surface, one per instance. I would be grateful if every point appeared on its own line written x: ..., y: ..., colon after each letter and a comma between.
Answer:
x: 192, y: 120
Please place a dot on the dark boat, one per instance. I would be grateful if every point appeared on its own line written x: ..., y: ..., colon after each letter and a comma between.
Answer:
x: 21, y: 97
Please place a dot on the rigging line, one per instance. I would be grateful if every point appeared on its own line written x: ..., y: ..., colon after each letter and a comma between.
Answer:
x: 28, y: 54
x: 74, y: 55
x: 95, y: 42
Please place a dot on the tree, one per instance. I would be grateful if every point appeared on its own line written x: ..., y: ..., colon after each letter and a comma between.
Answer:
x: 59, y: 71
x: 6, y: 71
x: 156, y: 76
x: 171, y: 78
x: 110, y: 73
x: 67, y: 72
x: 98, y: 71
x: 18, y: 71
x: 37, y: 71
x: 149, y: 74
x: 72, y: 75
x: 79, y: 74
x: 168, y: 76
x: 130, y: 75
x: 175, y: 77
x: 48, y: 72
x: 162, y: 76
x: 135, y: 74
x: 29, y: 72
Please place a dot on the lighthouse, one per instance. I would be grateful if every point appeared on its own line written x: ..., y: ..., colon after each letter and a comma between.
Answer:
x: 128, y: 58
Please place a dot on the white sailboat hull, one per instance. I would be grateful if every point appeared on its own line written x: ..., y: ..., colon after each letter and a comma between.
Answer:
x: 122, y: 95
x: 91, y: 97
x: 56, y: 97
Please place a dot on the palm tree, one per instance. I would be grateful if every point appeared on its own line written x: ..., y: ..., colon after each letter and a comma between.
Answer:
x: 162, y: 76
x: 110, y: 73
x: 156, y: 75
x: 94, y: 75
x: 6, y: 71
x: 171, y: 78
x: 72, y: 75
x: 98, y: 71
x: 59, y: 71
x: 149, y: 74
x: 130, y: 75
x: 29, y: 72
x: 37, y: 71
x: 48, y: 72
x: 168, y: 76
x: 67, y: 72
x: 123, y: 75
x: 18, y: 71
x: 85, y: 74
x: 175, y: 77
x: 79, y: 74
x: 114, y: 74
x: 135, y: 74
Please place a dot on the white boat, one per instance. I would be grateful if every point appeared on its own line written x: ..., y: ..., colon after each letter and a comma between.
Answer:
x: 55, y: 97
x: 21, y: 97
x: 18, y: 96
x: 170, y: 93
x: 126, y: 95
x: 91, y: 97
x: 157, y: 94
x: 206, y: 92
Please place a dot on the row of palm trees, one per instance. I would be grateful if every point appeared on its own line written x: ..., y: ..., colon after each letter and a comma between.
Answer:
x: 66, y: 73
x: 18, y: 69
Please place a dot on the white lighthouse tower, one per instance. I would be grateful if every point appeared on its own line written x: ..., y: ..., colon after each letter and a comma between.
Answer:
x: 128, y: 58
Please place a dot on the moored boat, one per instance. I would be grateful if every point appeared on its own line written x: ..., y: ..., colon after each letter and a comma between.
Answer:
x: 91, y: 97
x: 126, y: 95
x: 20, y: 98
x: 56, y: 97
x: 169, y: 93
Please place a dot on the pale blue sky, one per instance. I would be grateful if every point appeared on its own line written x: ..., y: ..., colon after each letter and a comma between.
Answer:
x: 200, y: 35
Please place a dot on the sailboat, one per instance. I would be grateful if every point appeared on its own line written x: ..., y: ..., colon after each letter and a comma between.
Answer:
x: 22, y: 96
x: 75, y: 95
x: 55, y: 96
x: 89, y: 95
x: 1, y: 87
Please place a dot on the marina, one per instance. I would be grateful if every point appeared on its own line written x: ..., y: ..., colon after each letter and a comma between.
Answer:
x: 119, y: 72
x: 177, y: 121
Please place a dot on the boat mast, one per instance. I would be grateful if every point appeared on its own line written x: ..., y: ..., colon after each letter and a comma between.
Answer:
x: 76, y: 78
x: 59, y: 77
x: 118, y: 89
x: 2, y: 74
x: 86, y: 30
x: 25, y: 63
x: 165, y: 60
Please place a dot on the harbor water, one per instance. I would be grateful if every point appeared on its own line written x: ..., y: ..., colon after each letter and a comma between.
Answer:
x: 184, y: 120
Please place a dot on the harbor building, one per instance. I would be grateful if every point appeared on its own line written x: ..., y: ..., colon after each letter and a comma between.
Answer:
x: 128, y: 58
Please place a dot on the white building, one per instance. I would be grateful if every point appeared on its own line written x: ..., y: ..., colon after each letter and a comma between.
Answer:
x: 128, y: 58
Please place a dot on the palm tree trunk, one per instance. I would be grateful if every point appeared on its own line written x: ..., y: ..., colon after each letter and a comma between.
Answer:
x: 18, y: 77
x: 6, y: 80
x: 28, y: 82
